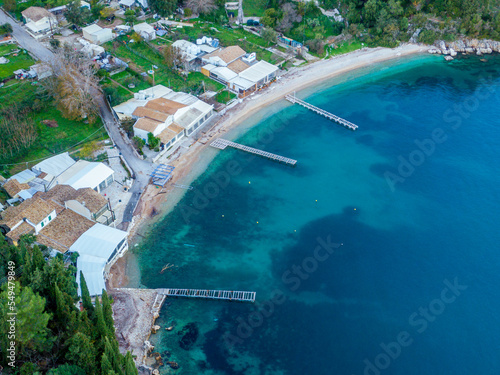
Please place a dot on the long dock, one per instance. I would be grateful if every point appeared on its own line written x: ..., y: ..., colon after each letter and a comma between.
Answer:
x: 210, y: 294
x: 221, y: 144
x: 339, y: 120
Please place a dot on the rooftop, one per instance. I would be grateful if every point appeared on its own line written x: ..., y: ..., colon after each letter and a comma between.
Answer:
x: 84, y: 174
x: 33, y: 209
x: 164, y: 105
x: 228, y: 54
x: 64, y: 230
x: 258, y: 71
x: 13, y: 187
x: 55, y: 165
x: 150, y: 113
x: 147, y: 124
x: 238, y: 66
x: 36, y: 13
x: 92, y: 29
x: 95, y: 247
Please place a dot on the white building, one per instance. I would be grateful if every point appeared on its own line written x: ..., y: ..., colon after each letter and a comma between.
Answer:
x: 98, y: 248
x: 97, y: 35
x: 145, y: 30
x: 85, y: 174
x: 254, y: 77
x: 39, y: 21
x: 54, y: 165
x: 225, y: 56
x: 167, y: 114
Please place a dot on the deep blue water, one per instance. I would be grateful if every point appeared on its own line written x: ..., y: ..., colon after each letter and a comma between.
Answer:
x: 420, y: 255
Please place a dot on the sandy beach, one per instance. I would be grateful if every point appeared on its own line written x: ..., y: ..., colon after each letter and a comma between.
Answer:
x: 189, y: 163
x: 155, y: 203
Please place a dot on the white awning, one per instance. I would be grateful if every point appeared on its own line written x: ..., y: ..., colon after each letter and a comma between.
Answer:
x: 95, y: 248
x: 258, y: 71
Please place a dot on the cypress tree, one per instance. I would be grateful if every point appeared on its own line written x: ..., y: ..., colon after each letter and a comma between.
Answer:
x: 130, y: 368
x: 102, y: 330
x: 113, y: 354
x: 106, y: 366
x: 87, y: 301
x: 107, y: 312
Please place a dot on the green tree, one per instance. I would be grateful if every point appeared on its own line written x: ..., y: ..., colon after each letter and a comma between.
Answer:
x: 106, y: 366
x: 86, y: 300
x: 153, y: 141
x: 67, y: 369
x: 81, y: 352
x: 107, y: 312
x: 130, y: 368
x: 270, y: 18
x: 31, y: 320
x: 164, y: 7
x: 269, y: 35
x: 77, y: 14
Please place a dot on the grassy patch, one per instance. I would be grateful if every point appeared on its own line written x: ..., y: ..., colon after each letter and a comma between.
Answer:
x: 142, y: 56
x: 225, y: 96
x: 20, y: 60
x: 254, y: 7
x: 345, y: 48
x: 51, y: 141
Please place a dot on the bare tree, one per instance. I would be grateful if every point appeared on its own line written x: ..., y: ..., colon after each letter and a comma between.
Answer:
x: 290, y: 16
x: 201, y: 6
x: 74, y: 85
x: 173, y: 57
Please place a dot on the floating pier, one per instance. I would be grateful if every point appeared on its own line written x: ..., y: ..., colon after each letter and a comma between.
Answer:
x: 221, y: 144
x: 210, y: 294
x: 339, y: 120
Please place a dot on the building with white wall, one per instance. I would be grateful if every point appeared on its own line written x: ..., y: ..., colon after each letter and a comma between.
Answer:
x: 97, y: 35
x: 39, y: 21
x: 167, y: 114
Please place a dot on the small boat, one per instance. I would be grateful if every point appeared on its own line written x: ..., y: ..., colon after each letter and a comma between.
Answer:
x: 186, y: 244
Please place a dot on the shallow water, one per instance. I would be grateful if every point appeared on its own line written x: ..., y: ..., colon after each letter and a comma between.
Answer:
x: 412, y: 196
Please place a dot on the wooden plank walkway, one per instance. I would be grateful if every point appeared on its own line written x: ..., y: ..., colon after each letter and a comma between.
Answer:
x: 210, y: 294
x: 339, y: 120
x: 221, y: 144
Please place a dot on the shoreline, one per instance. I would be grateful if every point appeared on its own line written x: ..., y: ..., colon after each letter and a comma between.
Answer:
x: 190, y: 163
x: 156, y: 203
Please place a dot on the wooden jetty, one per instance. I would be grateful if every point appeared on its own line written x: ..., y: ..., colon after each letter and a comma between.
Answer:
x: 210, y: 294
x: 221, y: 144
x: 339, y: 120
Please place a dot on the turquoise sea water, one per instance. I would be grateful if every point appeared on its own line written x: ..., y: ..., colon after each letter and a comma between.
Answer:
x: 359, y: 268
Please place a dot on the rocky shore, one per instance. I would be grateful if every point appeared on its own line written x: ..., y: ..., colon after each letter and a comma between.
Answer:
x: 464, y: 46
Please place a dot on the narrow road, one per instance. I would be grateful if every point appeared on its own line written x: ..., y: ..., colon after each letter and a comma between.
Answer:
x: 140, y: 168
x: 25, y: 40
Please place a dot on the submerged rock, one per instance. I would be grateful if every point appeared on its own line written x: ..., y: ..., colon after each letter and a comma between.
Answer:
x: 189, y: 334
